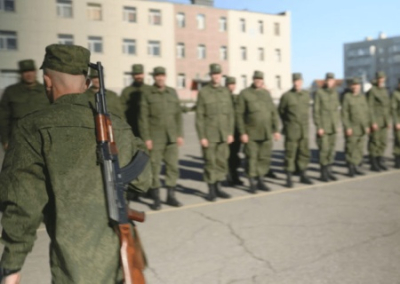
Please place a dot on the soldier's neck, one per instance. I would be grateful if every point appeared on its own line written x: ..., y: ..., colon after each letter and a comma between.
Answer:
x: 30, y: 85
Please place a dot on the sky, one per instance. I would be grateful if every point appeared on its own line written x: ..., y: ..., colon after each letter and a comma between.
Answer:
x: 320, y: 28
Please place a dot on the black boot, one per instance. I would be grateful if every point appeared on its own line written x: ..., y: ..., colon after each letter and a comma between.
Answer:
x: 397, y: 162
x: 331, y: 176
x: 381, y: 163
x: 132, y: 196
x: 171, y: 199
x: 271, y: 174
x: 304, y: 178
x: 253, y: 186
x: 357, y: 171
x: 289, y: 182
x: 219, y: 192
x: 235, y: 179
x: 211, y: 192
x: 261, y: 185
x: 155, y: 194
x: 352, y: 171
x: 374, y: 164
x: 324, y: 173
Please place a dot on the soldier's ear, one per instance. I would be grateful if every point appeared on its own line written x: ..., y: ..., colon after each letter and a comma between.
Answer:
x: 47, y: 81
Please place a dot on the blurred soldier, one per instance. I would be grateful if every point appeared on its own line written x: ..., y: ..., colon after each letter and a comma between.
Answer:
x: 50, y: 173
x: 396, y: 125
x: 379, y: 108
x: 215, y: 127
x: 355, y: 118
x: 161, y: 128
x: 113, y: 102
x: 294, y: 112
x: 130, y: 98
x: 234, y: 147
x: 326, y: 120
x: 20, y: 99
x: 257, y: 120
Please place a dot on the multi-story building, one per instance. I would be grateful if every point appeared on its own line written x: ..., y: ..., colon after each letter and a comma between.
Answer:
x: 184, y: 39
x: 365, y: 58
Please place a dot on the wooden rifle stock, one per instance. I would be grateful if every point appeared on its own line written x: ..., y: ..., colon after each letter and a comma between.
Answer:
x: 137, y: 216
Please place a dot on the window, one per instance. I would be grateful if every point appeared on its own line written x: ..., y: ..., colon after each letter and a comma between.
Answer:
x: 8, y: 40
x: 261, y: 54
x: 261, y: 27
x: 129, y: 46
x: 223, y: 53
x: 128, y: 80
x: 181, y: 81
x: 7, y: 5
x: 180, y: 50
x: 201, y: 21
x: 244, y: 81
x: 243, y: 53
x: 93, y: 11
x: 201, y: 51
x: 155, y: 17
x: 278, y: 82
x: 278, y: 55
x: 277, y: 29
x: 181, y: 19
x: 130, y: 14
x: 64, y: 8
x: 154, y: 48
x: 242, y: 26
x: 222, y: 24
x: 95, y: 44
x: 65, y: 39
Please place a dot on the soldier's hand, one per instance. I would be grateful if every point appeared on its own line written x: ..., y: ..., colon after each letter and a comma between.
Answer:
x: 149, y: 145
x: 12, y: 279
x: 321, y: 132
x: 204, y: 143
x: 349, y: 132
x: 230, y: 139
x: 277, y: 136
x: 179, y: 141
x: 374, y: 127
x: 398, y: 126
x: 367, y: 130
x: 5, y: 146
x: 244, y: 138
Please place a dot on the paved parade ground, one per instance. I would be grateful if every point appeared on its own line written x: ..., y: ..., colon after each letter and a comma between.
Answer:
x: 341, y: 232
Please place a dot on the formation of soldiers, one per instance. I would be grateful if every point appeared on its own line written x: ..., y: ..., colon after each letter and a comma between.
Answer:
x: 226, y: 121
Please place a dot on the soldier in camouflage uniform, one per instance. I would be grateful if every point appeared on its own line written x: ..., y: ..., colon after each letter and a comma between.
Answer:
x: 215, y: 129
x: 379, y: 107
x: 50, y: 173
x: 161, y: 127
x: 258, y: 121
x: 395, y: 102
x: 294, y: 112
x: 20, y: 99
x: 326, y: 120
x: 355, y: 118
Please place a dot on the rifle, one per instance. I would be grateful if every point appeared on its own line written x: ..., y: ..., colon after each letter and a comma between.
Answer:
x: 115, y: 181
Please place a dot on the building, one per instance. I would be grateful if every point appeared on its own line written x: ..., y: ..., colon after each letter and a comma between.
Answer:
x: 184, y: 38
x: 365, y: 58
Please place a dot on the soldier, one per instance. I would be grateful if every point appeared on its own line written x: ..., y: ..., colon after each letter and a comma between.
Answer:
x: 215, y: 127
x: 20, y: 99
x: 294, y: 111
x: 234, y: 147
x: 395, y: 101
x: 130, y: 98
x: 161, y: 127
x: 326, y: 120
x: 113, y: 102
x: 379, y: 107
x: 355, y: 118
x: 50, y: 173
x: 257, y: 120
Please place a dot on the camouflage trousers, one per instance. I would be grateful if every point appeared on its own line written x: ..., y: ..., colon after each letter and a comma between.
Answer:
x: 396, y: 147
x: 326, y: 145
x: 167, y: 153
x: 354, y: 149
x: 216, y: 162
x: 297, y: 154
x: 258, y: 155
x: 378, y: 142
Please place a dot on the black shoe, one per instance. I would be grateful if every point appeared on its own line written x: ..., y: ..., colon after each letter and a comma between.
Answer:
x: 219, y: 192
x: 261, y: 185
x: 357, y: 171
x: 171, y: 199
x: 132, y: 196
x: 304, y: 178
x: 271, y: 174
x: 374, y: 164
x: 236, y: 180
x: 324, y: 173
x: 253, y: 186
x: 289, y: 182
x: 211, y: 192
x: 155, y: 194
x: 381, y: 163
x: 352, y: 171
x: 397, y: 162
x: 330, y: 173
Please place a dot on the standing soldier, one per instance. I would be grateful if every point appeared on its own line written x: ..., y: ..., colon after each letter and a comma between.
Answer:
x: 379, y: 108
x: 326, y: 120
x: 234, y: 147
x: 257, y: 120
x: 161, y: 128
x: 294, y: 112
x: 113, y: 102
x: 396, y: 125
x: 355, y: 118
x: 215, y: 127
x: 130, y: 98
x: 20, y: 99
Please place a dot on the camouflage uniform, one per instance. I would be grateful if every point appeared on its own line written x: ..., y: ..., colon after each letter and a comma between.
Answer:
x: 395, y: 103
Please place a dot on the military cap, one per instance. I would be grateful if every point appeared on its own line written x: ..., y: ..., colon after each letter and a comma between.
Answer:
x: 297, y: 76
x: 26, y: 65
x: 230, y: 80
x: 258, y: 75
x: 137, y: 69
x: 159, y: 71
x: 215, y: 68
x: 355, y: 81
x: 329, y: 75
x: 70, y: 59
x: 380, y: 74
x: 93, y: 73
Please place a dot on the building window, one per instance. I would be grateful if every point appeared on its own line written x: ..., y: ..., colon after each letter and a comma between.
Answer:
x: 244, y: 81
x: 95, y: 44
x: 261, y: 54
x: 7, y: 5
x: 261, y: 27
x: 243, y: 53
x: 223, y: 26
x: 201, y: 21
x: 66, y: 39
x: 181, y: 84
x: 8, y: 77
x: 94, y: 12
x: 278, y: 55
x: 130, y: 14
x: 278, y: 82
x: 277, y: 29
x: 242, y: 26
x: 201, y: 51
x: 181, y: 19
x: 129, y: 46
x: 128, y: 80
x: 8, y: 40
x: 154, y: 48
x: 223, y: 53
x: 180, y: 50
x: 155, y: 17
x: 64, y: 8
